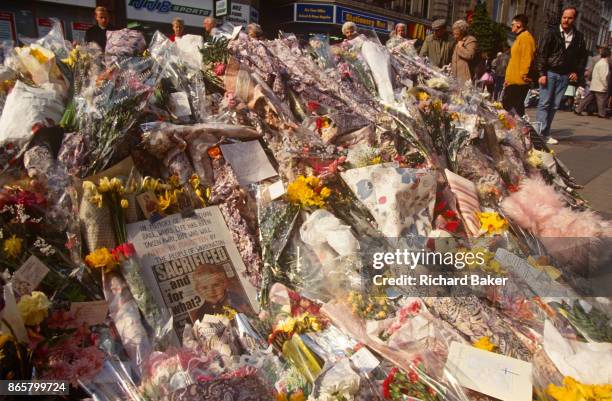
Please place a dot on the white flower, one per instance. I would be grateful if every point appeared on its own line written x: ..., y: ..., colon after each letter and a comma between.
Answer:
x: 44, y: 247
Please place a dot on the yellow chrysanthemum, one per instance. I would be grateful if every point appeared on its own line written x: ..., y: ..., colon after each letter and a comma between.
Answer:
x: 101, y: 258
x: 34, y: 308
x: 485, y: 344
x: 307, y: 192
x: 534, y: 158
x: 573, y: 390
x: 124, y: 203
x: 13, y: 247
x: 491, y: 222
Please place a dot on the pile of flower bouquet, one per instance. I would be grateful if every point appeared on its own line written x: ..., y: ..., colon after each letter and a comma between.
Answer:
x: 235, y: 227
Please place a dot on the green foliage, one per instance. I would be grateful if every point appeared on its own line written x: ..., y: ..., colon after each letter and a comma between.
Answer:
x: 491, y: 36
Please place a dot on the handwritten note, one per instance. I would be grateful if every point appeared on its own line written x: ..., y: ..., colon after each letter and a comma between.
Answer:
x: 495, y: 375
x: 364, y: 360
x: 29, y: 275
x: 89, y: 313
x: 249, y: 161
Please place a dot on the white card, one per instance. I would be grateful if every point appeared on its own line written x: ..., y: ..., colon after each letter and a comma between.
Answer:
x: 249, y: 161
x: 498, y: 376
x: 89, y: 313
x: 276, y: 190
x: 364, y: 360
x: 29, y: 276
x: 179, y: 104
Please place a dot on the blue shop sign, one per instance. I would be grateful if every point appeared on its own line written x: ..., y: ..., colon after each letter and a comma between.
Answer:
x: 319, y: 13
x: 366, y: 20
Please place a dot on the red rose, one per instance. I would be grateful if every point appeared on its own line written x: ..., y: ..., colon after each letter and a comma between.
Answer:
x: 452, y: 226
x: 450, y: 214
x: 219, y: 69
x: 313, y: 106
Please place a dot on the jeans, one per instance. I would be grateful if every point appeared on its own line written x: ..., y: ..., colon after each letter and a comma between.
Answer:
x: 550, y: 100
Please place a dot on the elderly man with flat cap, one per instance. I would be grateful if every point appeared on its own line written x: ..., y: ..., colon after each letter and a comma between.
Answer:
x: 438, y: 47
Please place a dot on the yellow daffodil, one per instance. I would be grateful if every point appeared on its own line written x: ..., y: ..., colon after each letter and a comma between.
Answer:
x: 423, y: 96
x: 573, y: 390
x: 376, y: 160
x: 164, y: 201
x: 485, y: 344
x: 498, y: 105
x: 71, y: 60
x: 102, y: 259
x: 491, y: 222
x: 124, y: 203
x: 104, y: 185
x: 13, y: 247
x: 34, y: 308
x: 150, y: 184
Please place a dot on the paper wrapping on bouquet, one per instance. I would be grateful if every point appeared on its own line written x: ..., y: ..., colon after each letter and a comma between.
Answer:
x: 39, y: 63
x: 126, y: 316
x: 238, y: 80
x: 28, y: 107
x: 328, y: 237
x: 249, y: 388
x: 124, y: 42
x: 589, y: 362
x: 401, y: 200
x: 188, y: 49
x: 96, y: 226
x: 467, y: 200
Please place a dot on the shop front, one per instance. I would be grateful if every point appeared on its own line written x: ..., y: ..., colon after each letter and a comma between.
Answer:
x: 328, y: 17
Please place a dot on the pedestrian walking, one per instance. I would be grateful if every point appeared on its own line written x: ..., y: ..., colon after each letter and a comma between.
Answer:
x: 517, y: 78
x: 562, y: 57
x: 97, y: 33
x: 438, y: 46
x: 500, y: 64
x: 599, y: 89
x: 465, y: 57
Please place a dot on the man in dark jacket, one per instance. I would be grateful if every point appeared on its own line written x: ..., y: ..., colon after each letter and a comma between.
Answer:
x: 97, y: 33
x: 562, y: 57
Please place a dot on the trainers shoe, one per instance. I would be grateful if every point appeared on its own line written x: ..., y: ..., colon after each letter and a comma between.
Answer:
x: 551, y: 141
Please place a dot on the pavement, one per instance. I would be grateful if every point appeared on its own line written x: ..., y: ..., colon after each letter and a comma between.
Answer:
x: 585, y: 147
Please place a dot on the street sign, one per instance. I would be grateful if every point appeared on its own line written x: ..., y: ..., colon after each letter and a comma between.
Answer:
x: 221, y: 8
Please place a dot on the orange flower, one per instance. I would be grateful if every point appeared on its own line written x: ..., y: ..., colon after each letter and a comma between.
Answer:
x: 214, y: 152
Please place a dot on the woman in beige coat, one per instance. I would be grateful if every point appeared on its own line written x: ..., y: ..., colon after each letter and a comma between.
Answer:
x: 465, y: 56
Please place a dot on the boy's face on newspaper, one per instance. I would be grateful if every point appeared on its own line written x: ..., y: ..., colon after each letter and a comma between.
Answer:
x: 211, y: 286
